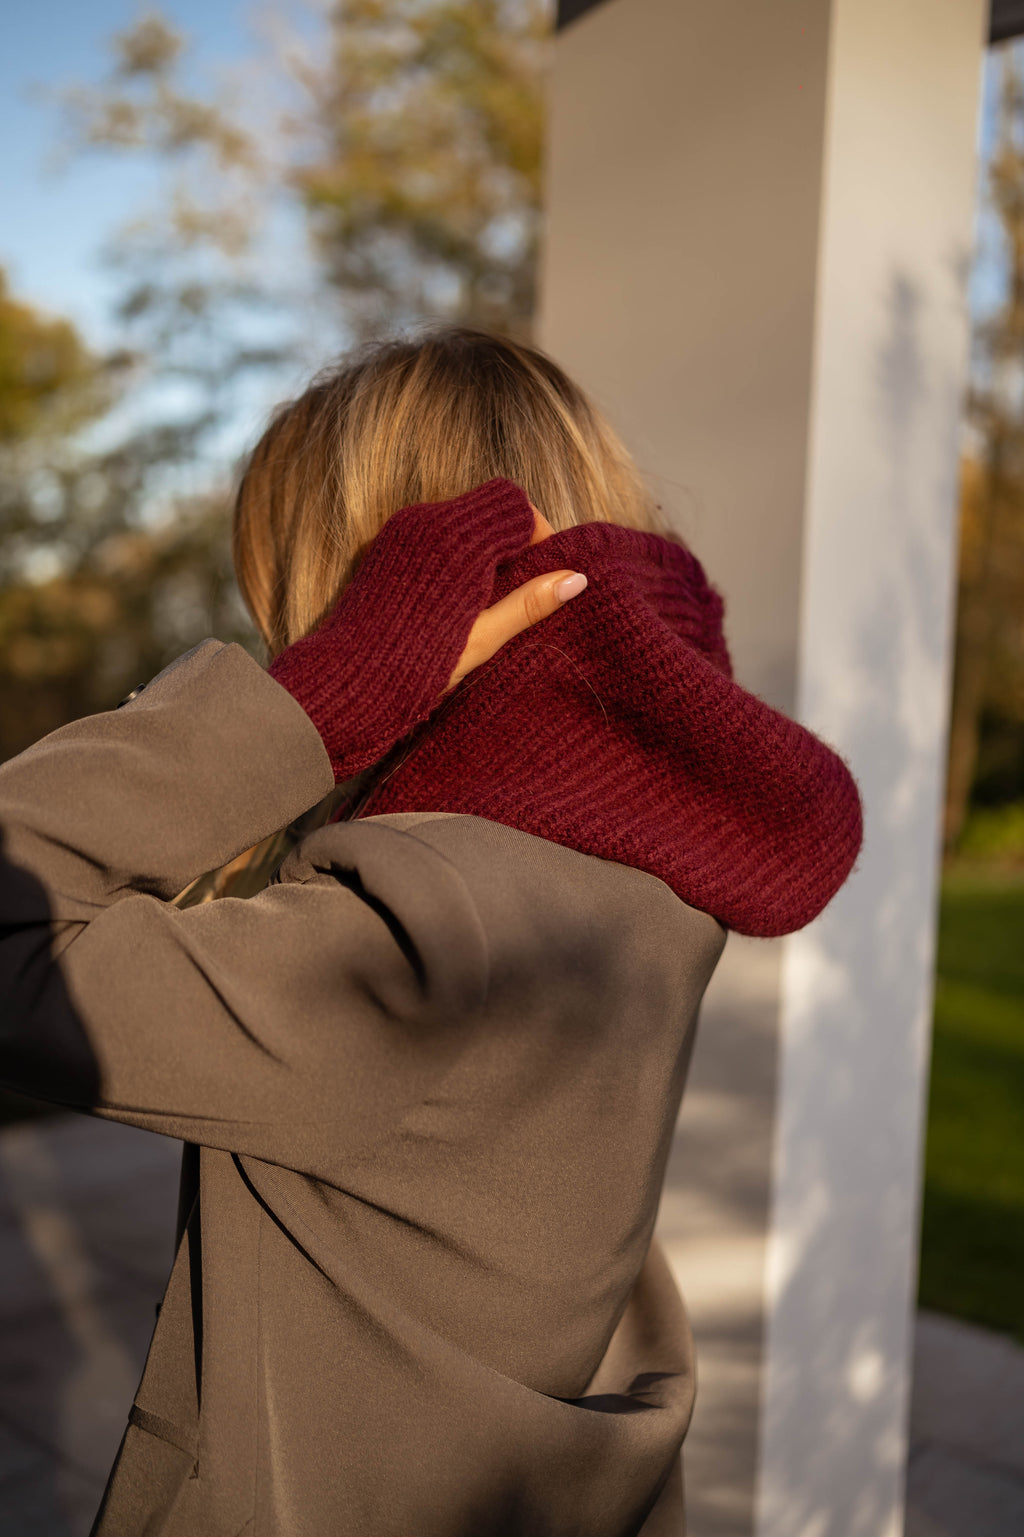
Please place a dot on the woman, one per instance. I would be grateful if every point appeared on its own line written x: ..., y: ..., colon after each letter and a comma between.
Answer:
x: 428, y: 1078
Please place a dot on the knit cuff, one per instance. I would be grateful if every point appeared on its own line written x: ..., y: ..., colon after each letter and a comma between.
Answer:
x: 381, y: 661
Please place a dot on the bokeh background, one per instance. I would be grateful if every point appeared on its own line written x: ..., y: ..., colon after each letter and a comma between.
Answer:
x: 204, y: 203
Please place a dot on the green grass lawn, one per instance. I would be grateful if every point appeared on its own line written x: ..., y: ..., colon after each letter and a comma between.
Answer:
x: 972, y: 1238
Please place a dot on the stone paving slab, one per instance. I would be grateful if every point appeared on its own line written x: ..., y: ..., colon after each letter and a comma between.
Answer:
x: 87, y: 1211
x: 969, y: 1393
x: 950, y: 1496
x: 69, y: 1388
x: 45, y: 1498
x: 965, y: 1475
x: 21, y: 1460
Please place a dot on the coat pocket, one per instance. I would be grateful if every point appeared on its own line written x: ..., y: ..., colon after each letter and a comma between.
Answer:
x: 155, y: 1461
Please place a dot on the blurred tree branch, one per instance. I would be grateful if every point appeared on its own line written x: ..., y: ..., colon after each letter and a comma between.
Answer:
x: 405, y: 141
x: 96, y: 592
x: 424, y: 187
x: 989, y: 658
x: 399, y: 150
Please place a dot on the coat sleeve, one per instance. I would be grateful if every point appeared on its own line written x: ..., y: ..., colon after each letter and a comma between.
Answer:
x: 328, y: 1000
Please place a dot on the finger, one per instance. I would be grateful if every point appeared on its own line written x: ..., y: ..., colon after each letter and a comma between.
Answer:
x: 526, y: 606
x: 541, y: 527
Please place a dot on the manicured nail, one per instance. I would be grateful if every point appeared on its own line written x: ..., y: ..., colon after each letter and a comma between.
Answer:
x: 569, y: 586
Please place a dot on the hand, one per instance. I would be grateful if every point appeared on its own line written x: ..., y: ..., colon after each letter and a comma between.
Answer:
x: 382, y: 659
x: 528, y: 604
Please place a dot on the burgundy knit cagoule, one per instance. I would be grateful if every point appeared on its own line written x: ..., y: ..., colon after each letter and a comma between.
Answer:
x: 613, y: 726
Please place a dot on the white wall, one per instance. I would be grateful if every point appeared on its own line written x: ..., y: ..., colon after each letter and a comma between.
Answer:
x: 873, y: 676
x: 759, y: 222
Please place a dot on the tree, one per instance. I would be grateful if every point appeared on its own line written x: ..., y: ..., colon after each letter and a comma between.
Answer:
x: 44, y: 370
x: 424, y: 189
x: 407, y: 140
x: 989, y: 658
x: 406, y: 144
x: 988, y: 694
x: 98, y: 589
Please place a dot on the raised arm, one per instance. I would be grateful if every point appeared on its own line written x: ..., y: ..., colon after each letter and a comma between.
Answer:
x: 229, y: 1022
x: 239, y: 1023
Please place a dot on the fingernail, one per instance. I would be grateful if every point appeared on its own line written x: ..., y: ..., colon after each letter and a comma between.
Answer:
x: 569, y: 586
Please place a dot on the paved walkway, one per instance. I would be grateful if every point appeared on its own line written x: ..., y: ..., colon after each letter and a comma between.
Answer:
x: 86, y: 1213
x: 86, y: 1239
x: 966, y: 1468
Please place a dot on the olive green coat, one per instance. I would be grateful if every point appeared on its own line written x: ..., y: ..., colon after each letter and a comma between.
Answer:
x: 427, y: 1081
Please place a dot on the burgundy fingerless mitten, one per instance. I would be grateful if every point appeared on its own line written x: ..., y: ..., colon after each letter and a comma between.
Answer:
x: 381, y: 661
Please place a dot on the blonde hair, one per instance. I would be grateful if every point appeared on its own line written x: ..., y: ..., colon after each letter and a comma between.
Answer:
x: 405, y: 421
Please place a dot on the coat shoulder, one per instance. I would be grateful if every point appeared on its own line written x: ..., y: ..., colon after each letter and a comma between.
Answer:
x: 526, y: 889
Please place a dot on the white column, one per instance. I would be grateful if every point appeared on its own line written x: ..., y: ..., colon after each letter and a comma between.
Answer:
x: 873, y: 677
x: 759, y: 226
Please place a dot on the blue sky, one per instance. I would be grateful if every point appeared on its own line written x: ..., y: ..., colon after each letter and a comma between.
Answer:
x: 60, y: 210
x: 985, y: 274
x: 55, y: 221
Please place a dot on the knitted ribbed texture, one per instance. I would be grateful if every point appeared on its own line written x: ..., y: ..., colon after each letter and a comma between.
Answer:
x: 382, y: 659
x: 613, y: 726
